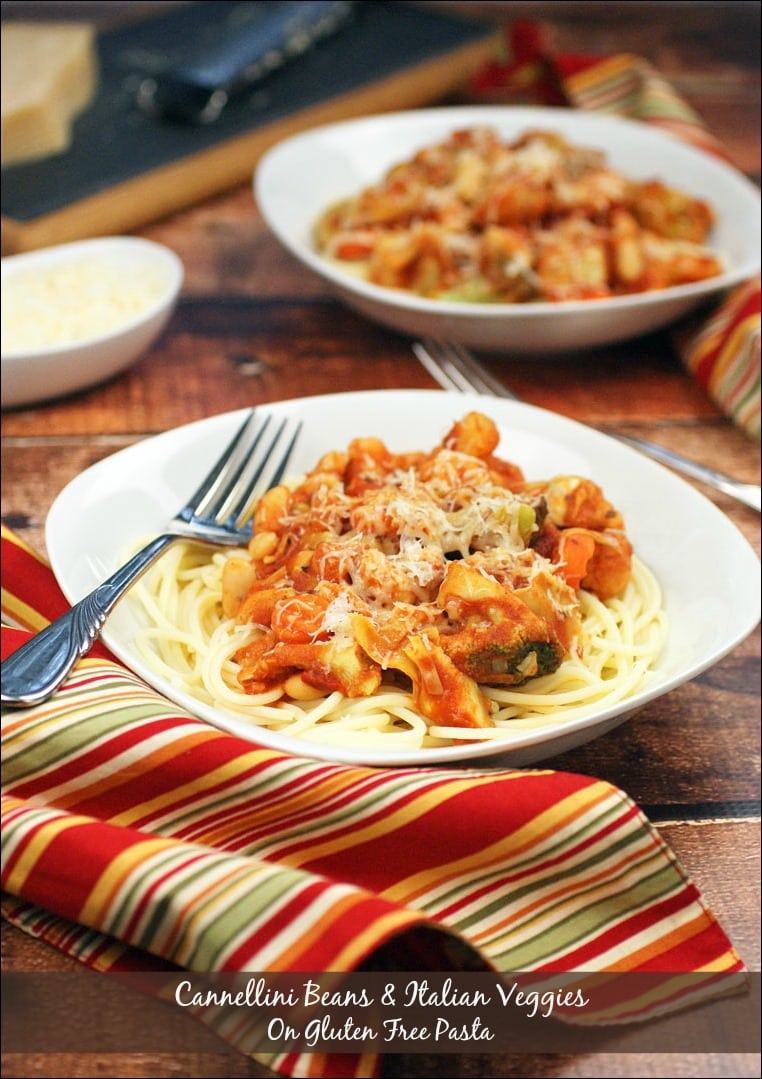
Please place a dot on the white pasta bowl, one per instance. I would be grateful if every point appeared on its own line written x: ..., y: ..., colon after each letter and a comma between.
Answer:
x: 302, y: 176
x: 124, y: 499
x: 77, y: 314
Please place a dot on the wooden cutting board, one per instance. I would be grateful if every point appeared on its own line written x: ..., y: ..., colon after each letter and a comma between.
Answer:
x: 125, y: 170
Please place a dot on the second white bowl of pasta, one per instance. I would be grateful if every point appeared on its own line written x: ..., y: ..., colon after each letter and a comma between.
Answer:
x: 417, y: 221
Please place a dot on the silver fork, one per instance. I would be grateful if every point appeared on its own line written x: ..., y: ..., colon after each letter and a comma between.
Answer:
x: 455, y: 368
x: 216, y: 514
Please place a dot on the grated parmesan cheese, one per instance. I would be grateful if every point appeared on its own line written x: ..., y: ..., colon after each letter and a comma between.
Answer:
x: 70, y: 302
x: 337, y: 620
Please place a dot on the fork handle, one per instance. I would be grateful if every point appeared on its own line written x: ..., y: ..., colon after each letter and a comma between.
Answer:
x: 36, y: 670
x: 748, y: 493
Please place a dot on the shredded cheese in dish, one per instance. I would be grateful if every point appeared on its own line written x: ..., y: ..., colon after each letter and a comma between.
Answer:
x: 480, y: 220
x: 73, y: 301
x: 417, y: 599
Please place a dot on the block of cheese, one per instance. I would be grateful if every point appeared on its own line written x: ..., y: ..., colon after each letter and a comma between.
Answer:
x: 49, y: 75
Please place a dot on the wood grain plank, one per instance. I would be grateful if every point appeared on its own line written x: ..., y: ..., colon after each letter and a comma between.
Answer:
x: 249, y: 351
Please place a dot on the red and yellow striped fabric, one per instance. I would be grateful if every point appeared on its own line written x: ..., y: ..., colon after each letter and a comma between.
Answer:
x: 724, y: 355
x: 722, y: 350
x: 137, y: 837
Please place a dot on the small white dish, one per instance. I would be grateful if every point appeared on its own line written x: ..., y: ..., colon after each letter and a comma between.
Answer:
x: 130, y: 495
x: 76, y: 314
x: 300, y: 177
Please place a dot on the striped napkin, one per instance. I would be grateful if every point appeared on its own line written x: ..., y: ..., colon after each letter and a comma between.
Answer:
x: 721, y: 350
x: 139, y: 838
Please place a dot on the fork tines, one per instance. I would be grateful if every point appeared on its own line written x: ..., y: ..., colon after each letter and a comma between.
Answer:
x: 255, y: 459
x: 455, y: 368
x: 266, y: 457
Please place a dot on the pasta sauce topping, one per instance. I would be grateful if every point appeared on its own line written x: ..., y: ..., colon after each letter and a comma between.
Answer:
x: 442, y: 571
x: 476, y: 219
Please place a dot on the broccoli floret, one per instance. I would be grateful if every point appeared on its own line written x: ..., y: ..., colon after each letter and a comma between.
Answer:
x: 503, y: 655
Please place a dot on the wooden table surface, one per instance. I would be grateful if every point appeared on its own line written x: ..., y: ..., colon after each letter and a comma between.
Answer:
x: 253, y: 326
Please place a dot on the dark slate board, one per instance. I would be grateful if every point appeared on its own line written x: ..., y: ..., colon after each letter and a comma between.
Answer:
x: 114, y: 143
